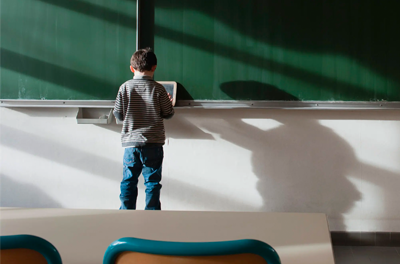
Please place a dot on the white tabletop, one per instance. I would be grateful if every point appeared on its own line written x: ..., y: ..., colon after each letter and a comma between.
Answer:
x: 82, y: 236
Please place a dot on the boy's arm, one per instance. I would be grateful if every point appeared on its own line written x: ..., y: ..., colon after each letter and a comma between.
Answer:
x: 167, y: 111
x: 119, y: 107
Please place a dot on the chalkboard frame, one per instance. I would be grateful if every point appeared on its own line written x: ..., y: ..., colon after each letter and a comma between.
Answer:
x: 206, y: 104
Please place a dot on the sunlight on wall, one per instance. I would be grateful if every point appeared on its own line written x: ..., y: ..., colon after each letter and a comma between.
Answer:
x: 219, y: 168
x: 263, y: 124
x: 215, y: 160
x: 378, y: 147
x: 68, y: 186
x: 371, y: 205
x: 372, y: 201
x: 74, y: 143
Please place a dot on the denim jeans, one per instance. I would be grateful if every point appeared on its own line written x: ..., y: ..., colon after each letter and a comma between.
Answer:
x: 148, y: 161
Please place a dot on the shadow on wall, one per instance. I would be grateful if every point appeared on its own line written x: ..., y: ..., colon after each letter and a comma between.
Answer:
x: 66, y: 155
x: 301, y: 165
x: 60, y: 153
x: 56, y: 74
x: 16, y: 194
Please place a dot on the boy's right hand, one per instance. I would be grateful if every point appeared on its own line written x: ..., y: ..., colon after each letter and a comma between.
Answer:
x: 170, y: 98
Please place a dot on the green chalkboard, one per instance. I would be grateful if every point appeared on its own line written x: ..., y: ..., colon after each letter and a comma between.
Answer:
x: 66, y: 49
x: 342, y: 50
x: 308, y: 50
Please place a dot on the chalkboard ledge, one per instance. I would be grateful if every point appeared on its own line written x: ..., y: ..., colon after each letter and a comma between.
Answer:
x: 58, y: 103
x: 208, y: 104
x: 286, y: 104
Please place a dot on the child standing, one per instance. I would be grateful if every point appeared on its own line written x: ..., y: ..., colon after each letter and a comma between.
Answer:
x: 142, y: 104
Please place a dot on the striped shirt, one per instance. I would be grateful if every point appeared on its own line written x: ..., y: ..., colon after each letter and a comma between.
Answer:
x: 142, y: 104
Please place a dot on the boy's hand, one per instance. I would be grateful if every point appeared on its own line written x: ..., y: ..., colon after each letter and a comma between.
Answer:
x: 170, y: 98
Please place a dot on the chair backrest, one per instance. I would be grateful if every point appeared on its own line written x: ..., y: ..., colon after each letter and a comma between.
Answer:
x: 21, y: 249
x: 130, y: 250
x: 134, y: 257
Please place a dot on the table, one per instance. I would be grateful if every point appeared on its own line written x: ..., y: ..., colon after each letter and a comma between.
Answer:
x: 82, y: 236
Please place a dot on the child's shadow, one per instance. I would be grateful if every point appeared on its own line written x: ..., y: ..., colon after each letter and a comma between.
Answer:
x: 301, y: 165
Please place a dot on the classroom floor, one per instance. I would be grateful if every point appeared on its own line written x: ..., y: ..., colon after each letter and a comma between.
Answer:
x: 366, y: 255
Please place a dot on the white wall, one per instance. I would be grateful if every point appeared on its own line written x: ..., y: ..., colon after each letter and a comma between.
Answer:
x: 343, y: 163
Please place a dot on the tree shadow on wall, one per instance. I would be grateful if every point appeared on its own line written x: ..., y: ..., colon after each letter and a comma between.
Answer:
x: 365, y: 31
x: 252, y: 90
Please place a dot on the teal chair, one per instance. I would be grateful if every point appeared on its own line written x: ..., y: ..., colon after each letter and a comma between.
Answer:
x: 22, y: 249
x: 133, y: 250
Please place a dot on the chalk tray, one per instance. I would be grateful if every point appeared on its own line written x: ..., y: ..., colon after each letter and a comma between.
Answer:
x: 98, y: 116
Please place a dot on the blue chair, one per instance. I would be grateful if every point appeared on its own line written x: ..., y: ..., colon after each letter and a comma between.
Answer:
x: 133, y: 250
x: 22, y: 249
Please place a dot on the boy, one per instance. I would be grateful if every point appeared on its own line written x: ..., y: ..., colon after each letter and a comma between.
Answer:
x: 142, y: 104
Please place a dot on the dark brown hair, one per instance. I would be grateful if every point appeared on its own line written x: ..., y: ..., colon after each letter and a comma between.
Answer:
x: 143, y: 60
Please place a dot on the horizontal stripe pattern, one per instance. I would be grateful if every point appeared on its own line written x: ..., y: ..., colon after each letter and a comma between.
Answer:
x: 142, y: 104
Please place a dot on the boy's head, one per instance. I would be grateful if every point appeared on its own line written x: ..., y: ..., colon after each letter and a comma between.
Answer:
x: 144, y: 60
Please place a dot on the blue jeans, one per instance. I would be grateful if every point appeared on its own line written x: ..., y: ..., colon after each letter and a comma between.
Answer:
x: 148, y: 161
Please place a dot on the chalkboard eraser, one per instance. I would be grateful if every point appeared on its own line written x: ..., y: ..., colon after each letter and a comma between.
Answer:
x: 171, y: 88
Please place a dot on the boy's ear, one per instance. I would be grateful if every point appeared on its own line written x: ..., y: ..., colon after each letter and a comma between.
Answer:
x: 132, y: 69
x: 153, y: 68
